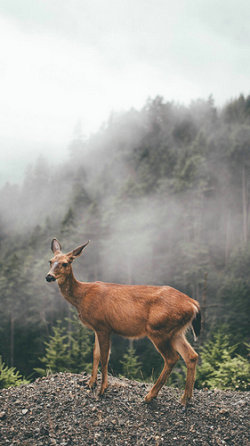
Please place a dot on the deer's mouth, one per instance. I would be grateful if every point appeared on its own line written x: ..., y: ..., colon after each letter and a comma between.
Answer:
x: 50, y: 278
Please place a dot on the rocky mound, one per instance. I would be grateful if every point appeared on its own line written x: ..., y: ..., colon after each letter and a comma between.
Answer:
x: 61, y: 410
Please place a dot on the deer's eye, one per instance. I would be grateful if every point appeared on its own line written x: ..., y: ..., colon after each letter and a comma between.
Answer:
x: 64, y: 264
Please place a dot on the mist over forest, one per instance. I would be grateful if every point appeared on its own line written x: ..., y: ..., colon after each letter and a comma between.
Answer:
x: 163, y: 194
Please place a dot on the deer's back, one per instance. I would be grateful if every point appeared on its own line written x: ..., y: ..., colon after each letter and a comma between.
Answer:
x: 134, y: 310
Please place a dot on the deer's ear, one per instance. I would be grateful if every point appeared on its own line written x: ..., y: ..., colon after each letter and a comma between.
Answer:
x: 55, y: 246
x: 77, y: 251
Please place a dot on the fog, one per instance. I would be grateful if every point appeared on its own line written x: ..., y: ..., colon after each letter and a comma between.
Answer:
x: 63, y: 62
x: 154, y: 190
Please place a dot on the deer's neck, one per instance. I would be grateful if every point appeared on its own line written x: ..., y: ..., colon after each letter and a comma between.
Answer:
x: 71, y: 289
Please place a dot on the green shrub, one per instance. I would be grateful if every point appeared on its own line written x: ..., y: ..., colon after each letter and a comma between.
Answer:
x: 221, y: 367
x: 9, y: 376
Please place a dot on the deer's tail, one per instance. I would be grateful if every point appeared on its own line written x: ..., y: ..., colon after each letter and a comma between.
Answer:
x: 196, y: 324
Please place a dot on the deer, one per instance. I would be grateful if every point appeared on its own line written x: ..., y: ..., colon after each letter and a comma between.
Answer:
x: 161, y: 313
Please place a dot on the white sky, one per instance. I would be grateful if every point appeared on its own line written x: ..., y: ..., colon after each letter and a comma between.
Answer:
x: 62, y: 61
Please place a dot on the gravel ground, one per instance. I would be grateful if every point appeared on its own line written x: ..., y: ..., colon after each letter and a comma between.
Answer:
x: 61, y: 410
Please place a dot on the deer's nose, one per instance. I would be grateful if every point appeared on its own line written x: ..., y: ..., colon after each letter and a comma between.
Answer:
x: 50, y: 278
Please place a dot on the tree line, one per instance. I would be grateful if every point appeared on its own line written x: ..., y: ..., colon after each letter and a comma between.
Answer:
x: 163, y: 194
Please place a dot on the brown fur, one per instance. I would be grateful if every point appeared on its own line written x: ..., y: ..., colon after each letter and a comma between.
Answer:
x: 134, y: 311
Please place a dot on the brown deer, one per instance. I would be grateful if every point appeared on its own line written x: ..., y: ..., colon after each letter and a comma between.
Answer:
x: 161, y: 313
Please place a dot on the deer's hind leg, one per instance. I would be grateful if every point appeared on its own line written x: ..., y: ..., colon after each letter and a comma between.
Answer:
x: 170, y: 357
x: 190, y: 357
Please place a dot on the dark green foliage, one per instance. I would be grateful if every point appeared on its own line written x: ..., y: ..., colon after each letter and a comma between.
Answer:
x: 234, y: 294
x: 221, y: 367
x: 57, y: 353
x: 9, y: 376
x: 68, y: 349
x: 131, y: 366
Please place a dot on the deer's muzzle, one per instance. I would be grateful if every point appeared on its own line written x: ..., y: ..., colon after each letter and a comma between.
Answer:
x: 50, y: 278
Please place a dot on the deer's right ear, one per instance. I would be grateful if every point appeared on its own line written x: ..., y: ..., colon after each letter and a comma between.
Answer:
x: 55, y: 246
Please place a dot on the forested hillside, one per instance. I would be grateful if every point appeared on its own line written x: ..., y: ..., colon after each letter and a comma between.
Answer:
x: 163, y: 194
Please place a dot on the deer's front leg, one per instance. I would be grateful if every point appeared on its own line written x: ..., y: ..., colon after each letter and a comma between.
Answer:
x: 104, y: 343
x: 96, y: 359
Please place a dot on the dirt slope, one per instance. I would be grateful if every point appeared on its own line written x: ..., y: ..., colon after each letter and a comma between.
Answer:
x: 60, y: 410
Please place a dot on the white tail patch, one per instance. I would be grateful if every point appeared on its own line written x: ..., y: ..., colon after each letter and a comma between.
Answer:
x: 196, y: 310
x: 194, y: 335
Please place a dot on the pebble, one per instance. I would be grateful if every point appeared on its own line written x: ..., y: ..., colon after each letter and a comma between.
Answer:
x: 56, y: 411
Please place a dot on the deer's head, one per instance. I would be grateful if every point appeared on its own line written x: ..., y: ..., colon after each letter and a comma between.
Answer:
x: 60, y: 264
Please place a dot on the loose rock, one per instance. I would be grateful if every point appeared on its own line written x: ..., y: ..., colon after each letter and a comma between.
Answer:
x: 60, y: 410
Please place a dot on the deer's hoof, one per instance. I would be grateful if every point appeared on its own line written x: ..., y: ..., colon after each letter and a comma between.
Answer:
x: 148, y: 398
x: 103, y: 388
x: 185, y: 400
x: 92, y: 383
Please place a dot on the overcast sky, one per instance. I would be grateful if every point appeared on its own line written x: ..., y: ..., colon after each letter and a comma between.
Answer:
x: 65, y: 61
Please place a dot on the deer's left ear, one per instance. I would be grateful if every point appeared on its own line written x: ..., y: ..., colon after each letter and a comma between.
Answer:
x: 77, y: 251
x: 55, y: 246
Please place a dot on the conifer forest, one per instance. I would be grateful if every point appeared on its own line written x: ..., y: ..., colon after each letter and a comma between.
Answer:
x: 163, y: 195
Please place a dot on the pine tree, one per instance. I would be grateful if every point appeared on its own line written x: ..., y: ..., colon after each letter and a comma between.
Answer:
x: 131, y: 366
x: 57, y: 357
x: 221, y: 367
x: 80, y: 348
x: 67, y: 349
x: 9, y: 376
